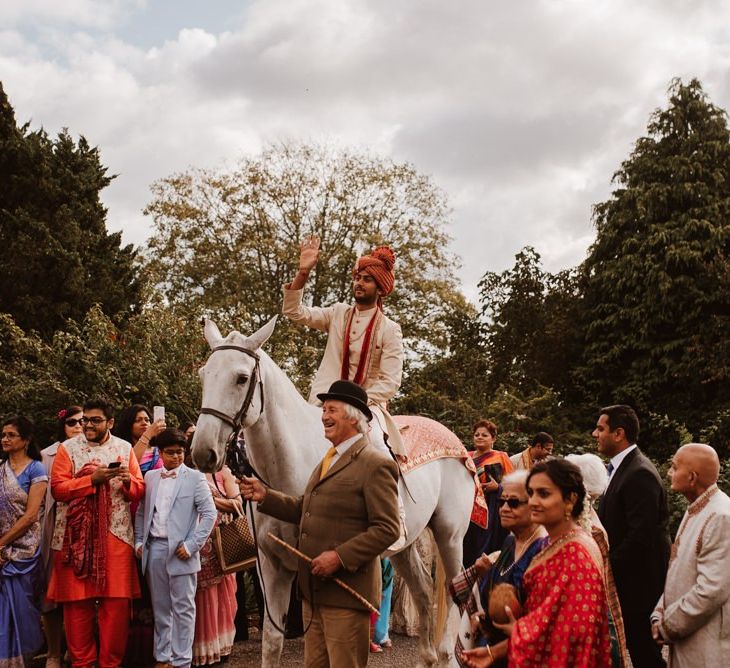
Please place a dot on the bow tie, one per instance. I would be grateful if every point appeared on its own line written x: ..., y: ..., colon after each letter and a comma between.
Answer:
x: 171, y: 474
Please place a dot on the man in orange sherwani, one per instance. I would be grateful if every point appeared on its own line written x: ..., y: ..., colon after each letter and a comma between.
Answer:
x: 94, y: 478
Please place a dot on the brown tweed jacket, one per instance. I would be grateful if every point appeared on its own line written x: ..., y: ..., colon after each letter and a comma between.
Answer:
x: 352, y: 510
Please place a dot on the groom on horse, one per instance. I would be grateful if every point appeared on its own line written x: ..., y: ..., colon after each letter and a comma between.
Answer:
x: 363, y: 345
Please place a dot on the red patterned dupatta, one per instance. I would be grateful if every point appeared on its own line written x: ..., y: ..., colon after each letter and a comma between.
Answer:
x: 366, y: 350
x: 84, y: 544
x: 566, y: 620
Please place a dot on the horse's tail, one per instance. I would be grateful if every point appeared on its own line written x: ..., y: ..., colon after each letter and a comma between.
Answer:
x: 440, y: 600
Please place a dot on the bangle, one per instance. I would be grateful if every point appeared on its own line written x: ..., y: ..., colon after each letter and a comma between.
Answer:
x: 303, y: 270
x: 144, y: 439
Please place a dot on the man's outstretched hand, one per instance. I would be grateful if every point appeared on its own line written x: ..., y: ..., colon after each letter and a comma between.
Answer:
x: 309, y: 252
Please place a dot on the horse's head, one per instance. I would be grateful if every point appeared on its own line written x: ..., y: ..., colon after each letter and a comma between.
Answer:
x: 233, y: 392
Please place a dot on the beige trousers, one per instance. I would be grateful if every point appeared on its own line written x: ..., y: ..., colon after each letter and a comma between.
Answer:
x: 336, y: 638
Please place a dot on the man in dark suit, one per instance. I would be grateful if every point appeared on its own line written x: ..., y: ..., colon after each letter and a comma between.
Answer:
x: 635, y: 515
x: 347, y: 516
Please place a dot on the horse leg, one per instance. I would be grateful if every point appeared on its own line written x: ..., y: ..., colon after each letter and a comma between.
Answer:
x: 449, y: 536
x: 410, y: 567
x: 276, y: 584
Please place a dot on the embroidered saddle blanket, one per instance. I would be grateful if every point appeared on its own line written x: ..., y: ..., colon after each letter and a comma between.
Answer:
x: 427, y: 440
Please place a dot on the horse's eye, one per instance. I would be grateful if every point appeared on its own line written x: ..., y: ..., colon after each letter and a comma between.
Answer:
x: 242, y: 379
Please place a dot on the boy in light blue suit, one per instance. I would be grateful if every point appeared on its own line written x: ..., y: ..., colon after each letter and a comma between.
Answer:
x: 173, y: 522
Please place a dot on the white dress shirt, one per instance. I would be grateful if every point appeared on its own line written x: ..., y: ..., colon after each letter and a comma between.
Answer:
x: 617, y: 459
x: 158, y: 529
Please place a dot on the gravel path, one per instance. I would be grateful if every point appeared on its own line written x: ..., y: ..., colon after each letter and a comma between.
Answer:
x: 404, y: 653
x: 247, y: 654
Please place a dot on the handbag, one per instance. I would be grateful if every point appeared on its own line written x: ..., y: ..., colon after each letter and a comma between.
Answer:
x: 234, y: 545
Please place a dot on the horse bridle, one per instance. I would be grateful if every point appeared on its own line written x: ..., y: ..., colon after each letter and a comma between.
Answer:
x: 236, y: 461
x: 236, y: 422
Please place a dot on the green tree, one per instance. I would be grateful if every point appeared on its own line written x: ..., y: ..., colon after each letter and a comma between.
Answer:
x: 451, y: 386
x: 655, y: 283
x: 225, y: 241
x: 153, y: 360
x: 531, y: 314
x: 58, y: 258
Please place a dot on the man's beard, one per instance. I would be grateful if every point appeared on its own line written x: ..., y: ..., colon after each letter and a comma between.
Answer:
x: 98, y: 439
x: 364, y: 300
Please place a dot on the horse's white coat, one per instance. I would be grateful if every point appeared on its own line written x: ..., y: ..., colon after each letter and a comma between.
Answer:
x: 284, y: 443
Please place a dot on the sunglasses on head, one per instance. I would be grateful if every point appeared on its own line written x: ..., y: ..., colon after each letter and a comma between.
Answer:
x: 512, y: 503
x: 72, y: 422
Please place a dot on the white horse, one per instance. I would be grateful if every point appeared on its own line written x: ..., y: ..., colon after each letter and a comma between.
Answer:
x: 285, y: 441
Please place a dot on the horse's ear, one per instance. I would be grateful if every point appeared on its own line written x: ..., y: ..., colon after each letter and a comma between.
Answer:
x: 211, y: 332
x: 257, y: 339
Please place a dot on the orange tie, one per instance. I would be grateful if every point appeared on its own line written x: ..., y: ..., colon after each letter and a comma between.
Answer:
x: 326, y: 461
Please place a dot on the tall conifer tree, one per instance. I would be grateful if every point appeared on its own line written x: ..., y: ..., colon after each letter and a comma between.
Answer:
x: 657, y: 303
x: 58, y: 258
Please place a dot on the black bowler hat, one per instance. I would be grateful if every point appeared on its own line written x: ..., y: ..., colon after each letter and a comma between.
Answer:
x: 349, y: 392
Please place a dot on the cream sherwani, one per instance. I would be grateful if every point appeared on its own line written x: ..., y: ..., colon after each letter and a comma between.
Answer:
x: 522, y: 460
x: 694, y: 612
x: 385, y: 366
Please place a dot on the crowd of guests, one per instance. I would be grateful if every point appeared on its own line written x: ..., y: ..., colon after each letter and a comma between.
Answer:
x: 111, y: 523
x: 585, y: 575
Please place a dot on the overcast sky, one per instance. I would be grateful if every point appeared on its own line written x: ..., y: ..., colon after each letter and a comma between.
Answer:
x: 520, y: 111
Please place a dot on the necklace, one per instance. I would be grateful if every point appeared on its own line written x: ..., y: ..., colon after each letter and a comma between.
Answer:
x: 518, y: 556
x: 552, y: 546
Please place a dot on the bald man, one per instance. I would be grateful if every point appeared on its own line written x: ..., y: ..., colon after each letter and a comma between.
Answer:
x: 689, y: 615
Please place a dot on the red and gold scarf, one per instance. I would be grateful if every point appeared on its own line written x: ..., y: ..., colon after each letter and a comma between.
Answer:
x: 365, y: 351
x: 84, y: 545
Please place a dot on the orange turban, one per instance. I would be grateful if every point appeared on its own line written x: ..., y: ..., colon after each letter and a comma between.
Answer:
x: 379, y: 264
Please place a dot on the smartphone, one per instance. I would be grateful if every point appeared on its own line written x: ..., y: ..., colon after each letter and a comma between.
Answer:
x: 114, y: 465
x: 158, y: 413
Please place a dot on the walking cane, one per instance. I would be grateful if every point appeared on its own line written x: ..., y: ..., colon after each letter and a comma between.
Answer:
x: 337, y: 581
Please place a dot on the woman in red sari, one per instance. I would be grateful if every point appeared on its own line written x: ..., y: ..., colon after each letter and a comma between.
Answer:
x: 565, y: 622
x: 492, y: 465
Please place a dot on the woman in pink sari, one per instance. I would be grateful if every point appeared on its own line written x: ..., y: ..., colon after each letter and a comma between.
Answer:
x: 565, y: 622
x: 215, y: 597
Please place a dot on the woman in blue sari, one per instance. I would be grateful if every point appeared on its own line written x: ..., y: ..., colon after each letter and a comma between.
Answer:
x: 23, y: 483
x: 472, y: 588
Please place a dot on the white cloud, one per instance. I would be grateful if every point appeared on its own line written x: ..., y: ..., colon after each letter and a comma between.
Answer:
x: 520, y: 112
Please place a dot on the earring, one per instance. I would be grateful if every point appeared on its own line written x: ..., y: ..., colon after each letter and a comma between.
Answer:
x: 568, y: 512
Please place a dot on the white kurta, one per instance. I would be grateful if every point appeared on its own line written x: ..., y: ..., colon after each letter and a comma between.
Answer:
x: 385, y: 368
x: 694, y: 612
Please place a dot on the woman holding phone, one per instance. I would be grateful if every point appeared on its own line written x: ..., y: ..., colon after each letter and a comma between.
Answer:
x: 138, y: 428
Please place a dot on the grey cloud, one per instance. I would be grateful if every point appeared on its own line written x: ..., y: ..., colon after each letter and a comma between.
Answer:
x: 521, y: 112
